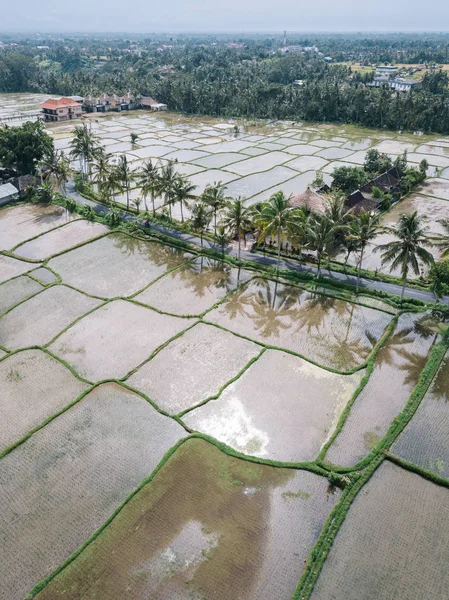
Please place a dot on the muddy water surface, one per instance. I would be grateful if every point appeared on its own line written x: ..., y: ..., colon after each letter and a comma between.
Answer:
x: 207, y: 527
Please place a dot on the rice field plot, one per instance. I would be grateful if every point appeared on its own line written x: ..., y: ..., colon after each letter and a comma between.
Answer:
x: 210, y: 177
x: 217, y: 161
x: 194, y: 287
x: 116, y: 265
x: 38, y: 320
x: 34, y: 386
x: 249, y: 185
x: 424, y: 441
x: 207, y: 526
x: 59, y: 240
x: 44, y: 275
x: 11, y: 267
x: 24, y: 221
x: 397, y: 368
x: 193, y: 367
x: 432, y: 159
x: 259, y: 163
x: 111, y: 341
x: 393, y: 544
x: 436, y: 187
x: 328, y: 331
x: 14, y: 291
x: 296, y: 185
x: 268, y: 414
x: 63, y: 482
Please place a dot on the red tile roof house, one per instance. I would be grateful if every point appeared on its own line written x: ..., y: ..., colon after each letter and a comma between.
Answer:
x: 61, y: 109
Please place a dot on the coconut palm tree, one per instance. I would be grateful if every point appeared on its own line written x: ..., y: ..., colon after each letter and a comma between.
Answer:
x: 183, y: 191
x: 223, y: 239
x: 362, y: 230
x: 442, y: 240
x: 215, y: 197
x: 149, y: 181
x: 237, y: 219
x: 101, y: 170
x: 201, y: 217
x: 124, y: 176
x: 167, y: 183
x: 276, y: 219
x: 55, y: 167
x: 408, y: 247
x: 84, y: 146
x: 321, y: 232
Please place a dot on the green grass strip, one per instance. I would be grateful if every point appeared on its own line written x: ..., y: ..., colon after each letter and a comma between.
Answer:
x: 436, y: 357
x: 364, y: 381
x: 328, y: 533
x: 425, y: 473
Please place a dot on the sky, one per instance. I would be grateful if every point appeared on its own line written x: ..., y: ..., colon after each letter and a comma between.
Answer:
x: 147, y: 16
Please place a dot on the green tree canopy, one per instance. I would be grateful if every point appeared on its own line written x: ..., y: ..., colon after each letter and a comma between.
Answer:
x: 22, y: 148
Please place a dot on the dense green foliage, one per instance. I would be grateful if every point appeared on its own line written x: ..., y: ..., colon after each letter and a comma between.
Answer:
x: 22, y: 148
x: 250, y: 78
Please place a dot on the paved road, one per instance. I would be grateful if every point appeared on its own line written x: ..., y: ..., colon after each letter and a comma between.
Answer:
x: 391, y: 288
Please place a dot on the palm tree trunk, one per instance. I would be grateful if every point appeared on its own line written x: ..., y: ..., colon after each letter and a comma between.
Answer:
x: 154, y: 208
x: 215, y: 221
x: 182, y: 213
x: 403, y: 290
x: 319, y: 265
x: 279, y: 253
x: 238, y: 235
x: 359, y: 270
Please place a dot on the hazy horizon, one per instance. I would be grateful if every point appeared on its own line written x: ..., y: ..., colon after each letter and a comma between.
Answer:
x: 234, y: 17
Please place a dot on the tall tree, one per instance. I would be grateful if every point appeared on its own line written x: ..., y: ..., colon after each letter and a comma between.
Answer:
x: 85, y: 146
x: 201, y: 217
x: 276, y: 219
x: 167, y: 183
x: 321, y: 231
x: 23, y: 148
x: 182, y: 192
x: 237, y: 219
x: 408, y: 248
x: 215, y: 197
x: 124, y: 176
x: 149, y: 181
x: 361, y: 230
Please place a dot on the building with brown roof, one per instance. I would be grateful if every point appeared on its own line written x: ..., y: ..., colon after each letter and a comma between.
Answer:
x: 309, y: 200
x: 148, y: 102
x: 61, y: 109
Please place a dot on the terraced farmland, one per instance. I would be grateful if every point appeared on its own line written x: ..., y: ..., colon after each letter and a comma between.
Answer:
x: 174, y: 426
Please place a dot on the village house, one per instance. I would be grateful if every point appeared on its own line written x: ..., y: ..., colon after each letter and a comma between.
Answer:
x: 148, y: 102
x: 105, y: 103
x: 61, y: 109
x: 8, y: 192
x: 309, y: 200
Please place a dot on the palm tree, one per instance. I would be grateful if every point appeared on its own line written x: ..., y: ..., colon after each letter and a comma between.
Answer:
x: 201, y: 217
x: 361, y: 230
x: 223, y: 239
x: 101, y: 171
x: 84, y: 146
x: 442, y: 240
x: 183, y: 191
x: 167, y: 183
x: 409, y: 246
x: 215, y: 197
x: 124, y: 176
x: 237, y: 219
x: 321, y: 232
x: 149, y: 181
x: 276, y: 219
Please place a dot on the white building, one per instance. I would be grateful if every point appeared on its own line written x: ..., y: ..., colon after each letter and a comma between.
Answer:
x: 8, y: 192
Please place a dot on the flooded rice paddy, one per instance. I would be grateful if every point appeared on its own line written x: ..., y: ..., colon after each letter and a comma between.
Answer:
x: 194, y: 287
x: 62, y: 483
x: 371, y: 555
x: 134, y: 369
x: 207, y: 526
x: 424, y: 440
x: 268, y: 414
x: 397, y: 368
x: 328, y: 331
x: 193, y: 367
